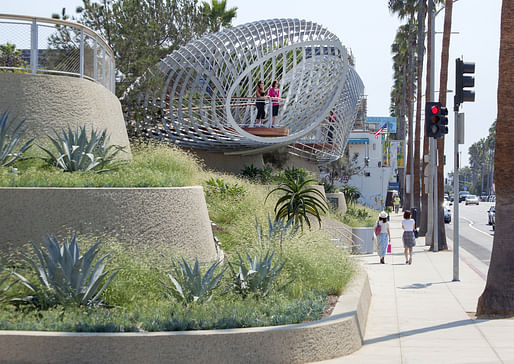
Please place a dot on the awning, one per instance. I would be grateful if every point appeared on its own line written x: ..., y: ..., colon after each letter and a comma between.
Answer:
x: 358, y: 141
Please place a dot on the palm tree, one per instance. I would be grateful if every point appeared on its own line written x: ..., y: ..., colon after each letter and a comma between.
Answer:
x: 498, y: 295
x: 217, y: 16
x: 406, y: 9
x: 443, y: 81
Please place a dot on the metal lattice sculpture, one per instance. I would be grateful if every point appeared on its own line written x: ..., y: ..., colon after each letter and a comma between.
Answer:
x: 203, y: 94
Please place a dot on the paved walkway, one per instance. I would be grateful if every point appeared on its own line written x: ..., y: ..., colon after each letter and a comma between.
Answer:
x: 418, y: 315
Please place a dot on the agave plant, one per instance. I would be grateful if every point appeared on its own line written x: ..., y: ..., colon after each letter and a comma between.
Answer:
x: 10, y: 144
x: 256, y: 274
x: 75, y: 151
x: 66, y: 277
x: 4, y: 284
x: 277, y: 229
x: 298, y: 201
x: 188, y: 283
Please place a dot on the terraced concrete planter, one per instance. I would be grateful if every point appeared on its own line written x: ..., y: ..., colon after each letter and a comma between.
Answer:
x: 173, y: 216
x: 363, y: 240
x: 338, y: 335
x: 338, y: 200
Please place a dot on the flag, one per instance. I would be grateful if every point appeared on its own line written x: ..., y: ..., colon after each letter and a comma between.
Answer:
x: 382, y: 130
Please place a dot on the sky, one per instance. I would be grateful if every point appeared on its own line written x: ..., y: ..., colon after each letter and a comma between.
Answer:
x: 368, y: 29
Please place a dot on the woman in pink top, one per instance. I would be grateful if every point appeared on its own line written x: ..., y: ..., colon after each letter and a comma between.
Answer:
x: 274, y: 93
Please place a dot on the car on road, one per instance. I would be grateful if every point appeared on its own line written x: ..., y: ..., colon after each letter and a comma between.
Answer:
x: 463, y: 195
x: 490, y: 215
x: 447, y: 215
x: 472, y: 200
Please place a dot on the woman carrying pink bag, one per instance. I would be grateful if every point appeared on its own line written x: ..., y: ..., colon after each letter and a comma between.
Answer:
x: 383, y: 235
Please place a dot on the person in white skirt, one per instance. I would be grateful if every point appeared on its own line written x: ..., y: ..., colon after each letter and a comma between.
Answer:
x: 409, y: 240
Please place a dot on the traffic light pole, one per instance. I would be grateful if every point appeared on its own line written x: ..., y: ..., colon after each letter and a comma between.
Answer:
x: 456, y: 200
x: 435, y: 205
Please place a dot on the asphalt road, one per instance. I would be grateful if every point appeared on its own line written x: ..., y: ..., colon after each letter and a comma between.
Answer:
x: 475, y: 235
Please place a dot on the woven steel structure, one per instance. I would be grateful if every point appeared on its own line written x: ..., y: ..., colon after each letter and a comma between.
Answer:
x: 203, y: 94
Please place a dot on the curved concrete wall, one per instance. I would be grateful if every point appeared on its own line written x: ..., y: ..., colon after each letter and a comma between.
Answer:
x: 49, y: 102
x: 174, y: 216
x: 340, y: 334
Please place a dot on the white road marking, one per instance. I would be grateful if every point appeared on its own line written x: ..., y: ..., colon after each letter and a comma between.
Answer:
x: 474, y: 228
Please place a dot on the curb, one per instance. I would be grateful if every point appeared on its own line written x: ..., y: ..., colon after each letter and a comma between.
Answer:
x: 340, y: 334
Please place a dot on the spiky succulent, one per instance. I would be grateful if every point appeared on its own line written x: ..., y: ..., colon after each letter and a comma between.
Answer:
x: 11, y: 148
x: 66, y: 277
x: 189, y: 285
x: 75, y: 151
x: 256, y: 274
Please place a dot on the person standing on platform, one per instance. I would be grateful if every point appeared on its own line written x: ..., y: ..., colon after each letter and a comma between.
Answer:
x: 274, y: 94
x: 260, y: 102
x: 383, y: 235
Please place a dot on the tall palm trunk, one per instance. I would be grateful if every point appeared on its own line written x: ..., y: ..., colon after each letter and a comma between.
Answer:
x: 498, y: 296
x: 410, y: 111
x: 401, y: 136
x: 424, y: 196
x: 419, y: 74
x: 443, y: 81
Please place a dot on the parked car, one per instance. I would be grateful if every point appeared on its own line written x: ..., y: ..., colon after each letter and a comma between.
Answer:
x: 494, y: 221
x: 462, y: 195
x: 491, y: 198
x: 483, y: 198
x: 447, y: 215
x: 490, y: 215
x: 472, y: 200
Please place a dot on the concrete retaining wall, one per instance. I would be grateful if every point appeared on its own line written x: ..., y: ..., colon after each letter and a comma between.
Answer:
x: 338, y: 335
x: 174, y: 216
x: 341, y: 201
x: 49, y: 103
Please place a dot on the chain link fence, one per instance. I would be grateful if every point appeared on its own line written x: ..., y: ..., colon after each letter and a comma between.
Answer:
x: 41, y: 45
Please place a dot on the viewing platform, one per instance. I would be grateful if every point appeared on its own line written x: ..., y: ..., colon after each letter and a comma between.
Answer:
x: 268, y: 132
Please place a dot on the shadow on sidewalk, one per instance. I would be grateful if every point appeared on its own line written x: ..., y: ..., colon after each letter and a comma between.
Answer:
x: 401, y: 334
x: 422, y: 285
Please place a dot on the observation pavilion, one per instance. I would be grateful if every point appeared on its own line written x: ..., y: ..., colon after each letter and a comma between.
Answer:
x: 202, y: 96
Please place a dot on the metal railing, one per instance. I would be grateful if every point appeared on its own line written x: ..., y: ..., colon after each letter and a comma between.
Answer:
x: 44, y: 45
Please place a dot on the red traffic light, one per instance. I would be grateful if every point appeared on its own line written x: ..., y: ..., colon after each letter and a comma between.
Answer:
x: 435, y: 110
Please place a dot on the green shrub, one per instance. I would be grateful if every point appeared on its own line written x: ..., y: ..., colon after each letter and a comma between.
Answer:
x: 218, y: 185
x: 294, y: 174
x: 11, y: 149
x: 75, y: 151
x: 351, y: 194
x: 65, y: 277
x: 5, y: 276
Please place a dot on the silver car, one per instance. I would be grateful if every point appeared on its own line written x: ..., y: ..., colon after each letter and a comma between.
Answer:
x: 472, y: 200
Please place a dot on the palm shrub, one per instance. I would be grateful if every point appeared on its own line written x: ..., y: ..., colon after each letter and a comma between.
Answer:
x: 11, y: 148
x: 66, y: 277
x: 298, y: 201
x: 75, y: 151
x: 293, y: 173
x: 189, y: 285
x: 351, y: 194
x: 256, y: 274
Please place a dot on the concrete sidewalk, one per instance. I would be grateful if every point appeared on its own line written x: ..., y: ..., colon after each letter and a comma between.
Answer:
x: 418, y: 315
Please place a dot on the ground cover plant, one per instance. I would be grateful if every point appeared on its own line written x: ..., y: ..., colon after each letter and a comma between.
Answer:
x: 294, y: 270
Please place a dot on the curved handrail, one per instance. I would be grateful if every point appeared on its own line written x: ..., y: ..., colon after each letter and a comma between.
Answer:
x: 101, y: 68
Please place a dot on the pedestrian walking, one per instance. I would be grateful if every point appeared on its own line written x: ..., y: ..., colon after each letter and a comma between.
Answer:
x: 409, y: 239
x: 396, y: 203
x: 383, y: 235
x: 274, y: 94
x: 260, y: 102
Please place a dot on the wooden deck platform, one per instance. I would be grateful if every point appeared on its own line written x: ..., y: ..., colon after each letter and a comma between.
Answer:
x: 268, y: 132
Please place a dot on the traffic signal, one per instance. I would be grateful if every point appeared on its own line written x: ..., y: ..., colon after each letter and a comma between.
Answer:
x: 435, y: 120
x: 464, y: 78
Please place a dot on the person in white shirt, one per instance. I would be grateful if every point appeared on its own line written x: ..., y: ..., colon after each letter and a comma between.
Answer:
x: 383, y: 237
x: 409, y: 240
